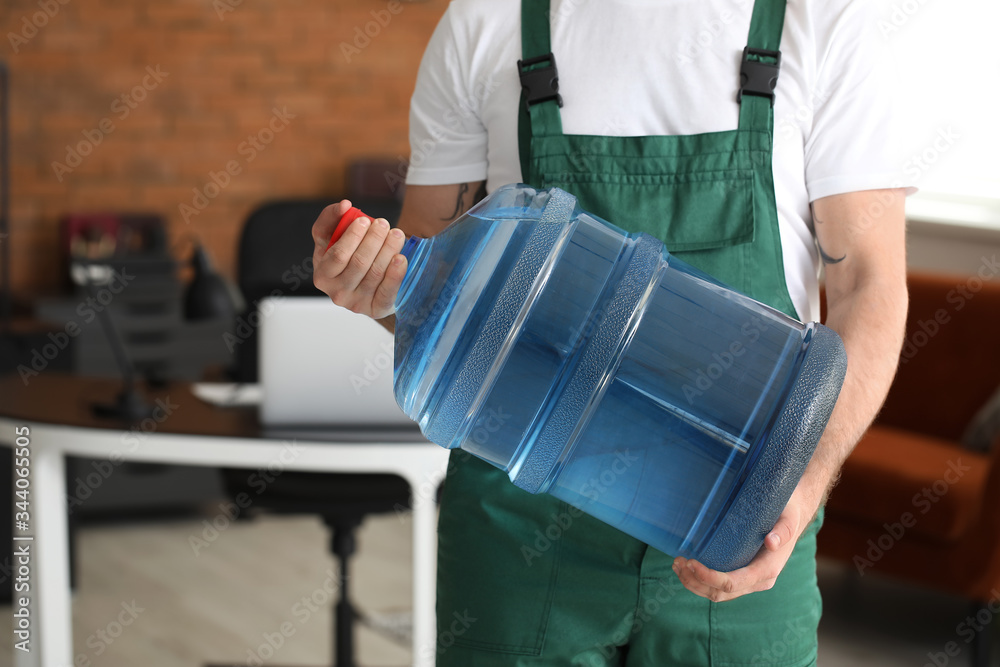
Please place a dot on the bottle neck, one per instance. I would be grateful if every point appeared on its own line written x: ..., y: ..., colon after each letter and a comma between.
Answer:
x: 413, y: 251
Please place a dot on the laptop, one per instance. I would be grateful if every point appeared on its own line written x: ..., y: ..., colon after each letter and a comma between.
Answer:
x: 322, y: 365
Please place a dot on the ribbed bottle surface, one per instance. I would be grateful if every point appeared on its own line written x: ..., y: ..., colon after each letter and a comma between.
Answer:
x: 590, y: 364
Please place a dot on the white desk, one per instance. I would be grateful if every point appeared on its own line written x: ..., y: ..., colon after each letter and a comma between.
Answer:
x: 420, y: 463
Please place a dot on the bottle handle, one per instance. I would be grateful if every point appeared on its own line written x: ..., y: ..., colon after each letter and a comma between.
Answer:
x: 350, y: 216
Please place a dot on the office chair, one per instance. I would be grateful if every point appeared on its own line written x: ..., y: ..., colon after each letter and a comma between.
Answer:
x: 275, y: 252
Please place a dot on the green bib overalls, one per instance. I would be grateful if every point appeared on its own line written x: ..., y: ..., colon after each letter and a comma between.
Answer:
x: 528, y: 580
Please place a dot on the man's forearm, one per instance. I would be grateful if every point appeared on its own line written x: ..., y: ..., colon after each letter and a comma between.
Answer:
x: 861, y: 239
x: 871, y: 322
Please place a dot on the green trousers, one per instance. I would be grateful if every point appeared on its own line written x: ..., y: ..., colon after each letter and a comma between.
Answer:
x: 527, y: 580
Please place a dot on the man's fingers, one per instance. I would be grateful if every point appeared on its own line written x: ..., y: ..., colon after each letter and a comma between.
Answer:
x: 726, y: 582
x: 702, y: 581
x: 759, y: 575
x: 391, y: 246
x: 333, y: 261
x: 327, y: 221
x: 780, y: 535
x: 384, y: 300
x: 356, y: 261
x: 786, y: 529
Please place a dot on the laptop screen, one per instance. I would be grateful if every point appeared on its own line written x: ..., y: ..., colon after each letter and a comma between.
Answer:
x: 322, y: 365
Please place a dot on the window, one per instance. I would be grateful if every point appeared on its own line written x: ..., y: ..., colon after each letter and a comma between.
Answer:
x: 947, y: 55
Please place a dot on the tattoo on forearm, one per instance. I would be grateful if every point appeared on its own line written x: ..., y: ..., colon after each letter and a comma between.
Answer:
x: 462, y: 189
x: 827, y: 259
x: 460, y: 206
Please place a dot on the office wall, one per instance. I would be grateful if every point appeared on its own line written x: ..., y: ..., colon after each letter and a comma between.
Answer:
x: 955, y: 250
x: 126, y: 105
x: 93, y: 129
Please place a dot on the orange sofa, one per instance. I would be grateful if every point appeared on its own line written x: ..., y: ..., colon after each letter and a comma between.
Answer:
x: 912, y: 502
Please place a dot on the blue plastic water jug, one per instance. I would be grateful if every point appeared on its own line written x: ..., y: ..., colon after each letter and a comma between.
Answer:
x: 590, y: 364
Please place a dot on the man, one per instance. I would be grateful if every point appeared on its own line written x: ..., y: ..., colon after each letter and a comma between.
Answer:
x: 653, y: 127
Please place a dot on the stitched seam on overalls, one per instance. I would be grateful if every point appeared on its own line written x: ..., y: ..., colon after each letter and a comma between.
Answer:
x: 517, y: 649
x: 638, y: 593
x: 711, y: 634
x: 710, y: 176
x: 514, y: 649
x: 550, y: 593
x: 543, y: 154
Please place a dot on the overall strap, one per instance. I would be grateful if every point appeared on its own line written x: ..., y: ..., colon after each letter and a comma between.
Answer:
x: 538, y: 110
x: 760, y: 66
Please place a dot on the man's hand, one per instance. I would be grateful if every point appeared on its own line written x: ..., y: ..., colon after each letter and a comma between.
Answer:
x: 761, y: 573
x: 363, y: 270
x: 860, y: 239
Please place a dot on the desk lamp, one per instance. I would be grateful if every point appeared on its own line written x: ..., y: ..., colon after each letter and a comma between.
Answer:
x: 208, y: 296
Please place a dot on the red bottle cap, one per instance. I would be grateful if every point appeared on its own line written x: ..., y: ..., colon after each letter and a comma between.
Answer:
x: 345, y: 221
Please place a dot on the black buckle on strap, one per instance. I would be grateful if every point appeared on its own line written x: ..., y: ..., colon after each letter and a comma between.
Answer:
x: 758, y: 77
x: 540, y: 84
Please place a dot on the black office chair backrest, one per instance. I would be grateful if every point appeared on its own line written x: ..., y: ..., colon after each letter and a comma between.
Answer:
x: 275, y: 259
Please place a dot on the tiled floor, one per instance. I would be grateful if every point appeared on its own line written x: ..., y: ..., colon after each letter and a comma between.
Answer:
x: 226, y: 599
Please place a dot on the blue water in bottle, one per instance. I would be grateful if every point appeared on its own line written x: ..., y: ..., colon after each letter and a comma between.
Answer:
x: 590, y: 364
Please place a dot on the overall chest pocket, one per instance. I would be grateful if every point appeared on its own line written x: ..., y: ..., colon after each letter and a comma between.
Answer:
x: 705, y: 218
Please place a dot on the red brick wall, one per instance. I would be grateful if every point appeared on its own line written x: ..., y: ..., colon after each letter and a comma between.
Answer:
x: 227, y: 65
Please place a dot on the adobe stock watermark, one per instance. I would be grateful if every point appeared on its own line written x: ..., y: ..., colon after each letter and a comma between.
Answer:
x: 363, y: 35
x: 919, y: 163
x: 583, y: 156
x: 319, y: 600
x: 248, y: 149
x: 565, y: 9
x: 84, y: 486
x: 899, y: 15
x: 452, y: 119
x: 87, y: 311
x: 664, y: 592
x: 488, y: 423
x: 691, y: 48
x: 706, y: 377
x: 223, y: 7
x: 432, y: 308
x: 102, y: 638
x: 802, y: 115
x: 956, y: 298
x: 6, y: 569
x: 914, y: 168
x: 121, y: 108
x: 777, y: 652
x: 592, y: 490
x: 48, y: 9
x: 455, y: 627
x: 231, y: 510
x: 373, y: 369
x: 923, y: 502
x: 247, y: 324
x: 432, y: 482
x: 967, y: 630
x: 294, y: 277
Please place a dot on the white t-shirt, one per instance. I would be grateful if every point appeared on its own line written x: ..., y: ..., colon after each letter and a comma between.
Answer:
x: 665, y: 67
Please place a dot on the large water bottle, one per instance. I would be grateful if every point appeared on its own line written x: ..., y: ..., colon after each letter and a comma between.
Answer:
x: 590, y: 364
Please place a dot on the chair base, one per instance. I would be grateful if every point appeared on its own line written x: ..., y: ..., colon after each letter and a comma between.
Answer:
x: 343, y: 546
